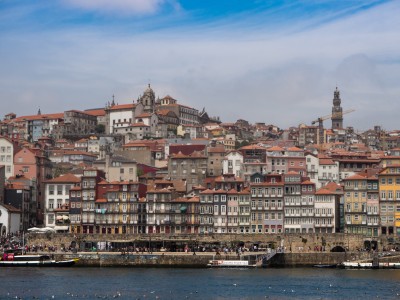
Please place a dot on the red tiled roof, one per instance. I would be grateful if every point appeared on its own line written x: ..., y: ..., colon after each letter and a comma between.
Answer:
x: 123, y: 106
x: 96, y: 112
x: 275, y: 148
x: 185, y: 149
x: 65, y: 178
x: 102, y: 200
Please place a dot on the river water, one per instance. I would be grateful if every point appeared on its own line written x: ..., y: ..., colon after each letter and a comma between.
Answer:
x: 156, y: 283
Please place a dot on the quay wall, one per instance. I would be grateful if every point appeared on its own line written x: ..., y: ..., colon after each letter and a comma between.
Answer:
x: 188, y: 260
x: 290, y: 242
x: 292, y: 260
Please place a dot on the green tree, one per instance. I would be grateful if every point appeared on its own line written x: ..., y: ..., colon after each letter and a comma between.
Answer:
x: 100, y: 128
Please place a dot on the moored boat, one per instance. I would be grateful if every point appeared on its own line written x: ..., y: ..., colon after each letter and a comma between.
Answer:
x: 15, y: 259
x: 221, y: 263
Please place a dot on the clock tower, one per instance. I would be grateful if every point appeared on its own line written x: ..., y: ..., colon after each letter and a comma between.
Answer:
x: 337, y: 111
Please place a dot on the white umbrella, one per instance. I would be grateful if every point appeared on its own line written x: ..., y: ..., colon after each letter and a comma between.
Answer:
x: 33, y: 229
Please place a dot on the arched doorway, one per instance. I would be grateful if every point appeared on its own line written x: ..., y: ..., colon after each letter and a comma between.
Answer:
x: 338, y: 249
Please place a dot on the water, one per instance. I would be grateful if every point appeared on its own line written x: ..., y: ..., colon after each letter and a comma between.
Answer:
x: 142, y: 283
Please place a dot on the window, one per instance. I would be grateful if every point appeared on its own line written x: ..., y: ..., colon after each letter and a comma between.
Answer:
x: 59, y: 189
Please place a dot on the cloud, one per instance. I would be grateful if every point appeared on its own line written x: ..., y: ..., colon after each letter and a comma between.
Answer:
x: 284, y: 77
x: 126, y: 7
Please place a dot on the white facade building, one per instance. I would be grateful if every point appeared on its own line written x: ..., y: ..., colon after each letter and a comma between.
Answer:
x: 57, y: 201
x: 233, y: 164
x: 10, y: 219
x: 7, y: 156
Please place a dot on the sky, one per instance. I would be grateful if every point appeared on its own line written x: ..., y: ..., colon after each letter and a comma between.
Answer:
x: 277, y: 62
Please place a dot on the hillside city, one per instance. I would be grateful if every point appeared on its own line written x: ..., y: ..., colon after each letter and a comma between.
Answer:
x: 155, y: 165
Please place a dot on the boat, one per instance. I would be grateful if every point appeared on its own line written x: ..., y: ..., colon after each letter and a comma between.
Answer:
x: 12, y: 258
x: 370, y: 265
x: 222, y: 263
x: 324, y: 266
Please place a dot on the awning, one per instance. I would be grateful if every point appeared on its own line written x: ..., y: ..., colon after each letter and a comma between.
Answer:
x: 61, y: 228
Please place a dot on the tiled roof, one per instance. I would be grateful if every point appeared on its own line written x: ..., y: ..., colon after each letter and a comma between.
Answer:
x: 96, y: 112
x: 295, y: 149
x: 65, y: 178
x: 275, y: 148
x: 144, y: 115
x: 355, y: 177
x: 39, y: 117
x: 123, y: 106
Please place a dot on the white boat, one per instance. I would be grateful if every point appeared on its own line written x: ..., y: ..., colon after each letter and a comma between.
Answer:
x: 221, y: 263
x: 357, y: 265
x: 15, y: 259
x: 369, y: 265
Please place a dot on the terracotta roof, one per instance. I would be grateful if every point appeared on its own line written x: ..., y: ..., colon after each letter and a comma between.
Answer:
x: 96, y: 112
x: 65, y: 178
x: 216, y: 149
x: 195, y: 154
x: 355, y: 177
x: 144, y: 115
x: 323, y: 191
x: 123, y: 106
x: 295, y: 149
x: 326, y: 161
x: 102, y: 200
x: 11, y: 208
x: 252, y: 147
x: 139, y: 124
x: 307, y: 182
x: 194, y: 199
x: 275, y: 148
x: 39, y: 117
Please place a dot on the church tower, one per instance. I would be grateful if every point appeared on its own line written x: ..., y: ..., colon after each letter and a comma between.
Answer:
x: 148, y: 100
x: 337, y: 111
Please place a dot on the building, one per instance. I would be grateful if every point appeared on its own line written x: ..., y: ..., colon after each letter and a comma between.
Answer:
x: 7, y: 156
x: 337, y: 111
x: 10, y: 220
x: 215, y: 160
x: 18, y: 195
x: 57, y: 193
x: 297, y: 220
x: 267, y: 204
x: 355, y: 204
x: 232, y: 164
x: 90, y: 195
x: 121, y: 116
x: 327, y: 208
x: 118, y: 209
x: 192, y: 168
x: 117, y: 168
x: 389, y: 191
x: 76, y: 124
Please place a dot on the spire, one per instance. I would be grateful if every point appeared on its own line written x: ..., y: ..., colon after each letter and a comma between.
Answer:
x: 39, y: 112
x: 113, y: 100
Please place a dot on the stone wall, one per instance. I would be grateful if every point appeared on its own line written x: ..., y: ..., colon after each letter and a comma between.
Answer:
x: 291, y: 242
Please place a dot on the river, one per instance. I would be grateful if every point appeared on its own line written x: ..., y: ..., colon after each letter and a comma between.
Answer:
x: 161, y: 283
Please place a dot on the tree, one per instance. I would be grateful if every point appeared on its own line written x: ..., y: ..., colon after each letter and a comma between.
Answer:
x: 100, y: 128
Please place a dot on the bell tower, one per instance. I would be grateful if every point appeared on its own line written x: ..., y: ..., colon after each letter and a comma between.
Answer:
x: 148, y: 100
x: 337, y: 111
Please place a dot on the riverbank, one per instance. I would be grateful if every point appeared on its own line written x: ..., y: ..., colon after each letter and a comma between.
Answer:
x: 200, y: 260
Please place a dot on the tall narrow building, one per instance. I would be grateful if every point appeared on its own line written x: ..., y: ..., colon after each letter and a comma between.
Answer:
x: 337, y: 111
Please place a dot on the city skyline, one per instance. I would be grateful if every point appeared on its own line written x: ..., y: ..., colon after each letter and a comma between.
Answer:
x: 276, y: 63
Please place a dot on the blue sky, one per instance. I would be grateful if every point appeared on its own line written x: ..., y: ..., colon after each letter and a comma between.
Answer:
x: 264, y: 61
